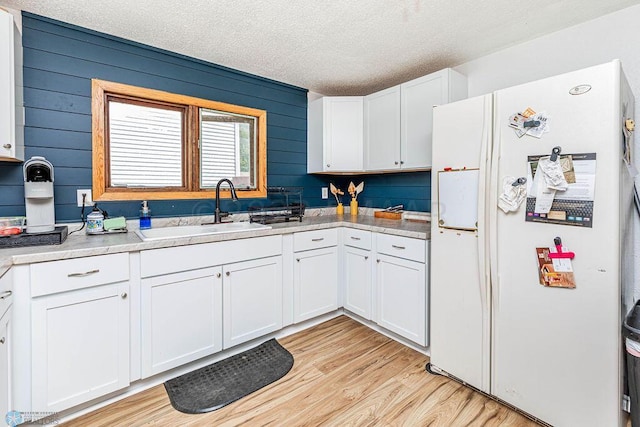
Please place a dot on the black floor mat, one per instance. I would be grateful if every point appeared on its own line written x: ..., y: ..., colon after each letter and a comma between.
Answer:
x: 212, y: 387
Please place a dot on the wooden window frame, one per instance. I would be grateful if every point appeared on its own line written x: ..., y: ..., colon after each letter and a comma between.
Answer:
x: 102, y: 90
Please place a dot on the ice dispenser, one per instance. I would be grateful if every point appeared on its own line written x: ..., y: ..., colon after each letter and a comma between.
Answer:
x: 38, y: 195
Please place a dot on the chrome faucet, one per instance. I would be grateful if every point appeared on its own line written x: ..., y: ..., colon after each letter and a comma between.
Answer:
x: 217, y: 218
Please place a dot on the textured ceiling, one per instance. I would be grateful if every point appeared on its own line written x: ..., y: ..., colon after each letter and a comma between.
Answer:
x: 333, y: 47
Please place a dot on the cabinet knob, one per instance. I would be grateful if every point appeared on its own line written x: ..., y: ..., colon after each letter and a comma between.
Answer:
x: 219, y: 275
x: 228, y: 273
x: 328, y: 165
x: 123, y: 295
x: 2, y: 340
x: 378, y: 260
x: 7, y: 146
x: 395, y: 162
x: 402, y: 162
x: 298, y: 259
x: 366, y: 258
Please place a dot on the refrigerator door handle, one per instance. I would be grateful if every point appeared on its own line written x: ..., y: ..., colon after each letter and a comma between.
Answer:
x: 492, y: 212
x: 485, y: 168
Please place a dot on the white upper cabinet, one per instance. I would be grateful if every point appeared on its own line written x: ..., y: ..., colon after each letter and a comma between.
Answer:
x: 419, y: 96
x: 398, y: 121
x: 335, y: 135
x: 382, y: 130
x: 11, y: 109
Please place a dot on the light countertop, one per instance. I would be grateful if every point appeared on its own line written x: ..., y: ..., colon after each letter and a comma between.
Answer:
x: 81, y: 245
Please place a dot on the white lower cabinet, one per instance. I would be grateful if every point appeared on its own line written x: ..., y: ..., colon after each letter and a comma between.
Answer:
x: 402, y: 296
x: 200, y: 299
x: 181, y: 318
x: 86, y: 327
x: 315, y: 273
x: 315, y: 280
x: 6, y: 342
x: 5, y: 368
x: 252, y: 293
x: 80, y: 345
x: 356, y: 272
x: 357, y: 275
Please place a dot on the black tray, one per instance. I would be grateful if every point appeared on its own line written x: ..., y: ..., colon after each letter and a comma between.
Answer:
x: 55, y: 237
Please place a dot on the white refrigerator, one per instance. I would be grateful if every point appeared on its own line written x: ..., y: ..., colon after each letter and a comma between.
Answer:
x: 554, y: 352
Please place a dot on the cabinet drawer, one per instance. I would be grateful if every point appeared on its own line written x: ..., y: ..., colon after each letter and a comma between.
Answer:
x: 357, y: 238
x: 59, y: 276
x: 403, y: 247
x: 156, y: 262
x: 6, y: 288
x: 316, y: 239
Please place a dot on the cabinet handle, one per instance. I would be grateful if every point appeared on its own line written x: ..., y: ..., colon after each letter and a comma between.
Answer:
x: 228, y: 273
x: 318, y: 239
x: 2, y: 340
x: 219, y: 275
x: 7, y: 146
x: 355, y: 238
x: 86, y: 273
x: 398, y: 247
x: 123, y: 295
x: 5, y: 294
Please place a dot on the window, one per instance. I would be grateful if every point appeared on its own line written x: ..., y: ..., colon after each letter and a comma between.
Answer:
x: 149, y: 144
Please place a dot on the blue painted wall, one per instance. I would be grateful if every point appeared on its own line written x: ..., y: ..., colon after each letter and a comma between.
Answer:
x: 59, y: 62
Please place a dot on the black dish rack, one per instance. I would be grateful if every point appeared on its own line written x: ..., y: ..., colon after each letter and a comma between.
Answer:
x: 282, y: 204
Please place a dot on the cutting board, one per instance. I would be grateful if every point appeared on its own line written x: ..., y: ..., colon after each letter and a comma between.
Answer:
x: 387, y: 215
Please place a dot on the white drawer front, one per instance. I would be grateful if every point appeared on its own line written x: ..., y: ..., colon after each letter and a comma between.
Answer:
x: 155, y: 262
x: 6, y: 289
x: 316, y: 239
x: 402, y: 247
x: 59, y: 276
x: 357, y: 238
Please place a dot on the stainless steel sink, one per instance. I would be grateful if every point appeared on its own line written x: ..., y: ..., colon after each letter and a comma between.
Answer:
x: 198, y: 230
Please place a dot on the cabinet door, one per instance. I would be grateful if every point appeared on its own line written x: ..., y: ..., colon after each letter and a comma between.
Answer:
x: 315, y: 282
x: 335, y: 134
x: 418, y: 99
x: 252, y: 294
x: 11, y: 109
x: 402, y: 297
x: 5, y: 369
x: 344, y: 134
x: 181, y: 318
x: 357, y: 281
x: 382, y: 130
x: 80, y: 346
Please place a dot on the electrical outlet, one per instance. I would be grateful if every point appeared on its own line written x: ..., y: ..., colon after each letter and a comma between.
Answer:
x: 325, y: 192
x: 88, y: 200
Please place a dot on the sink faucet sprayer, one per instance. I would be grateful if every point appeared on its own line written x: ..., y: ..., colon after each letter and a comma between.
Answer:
x: 217, y: 217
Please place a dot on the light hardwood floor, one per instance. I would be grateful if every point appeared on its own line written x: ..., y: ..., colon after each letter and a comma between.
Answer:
x: 344, y: 374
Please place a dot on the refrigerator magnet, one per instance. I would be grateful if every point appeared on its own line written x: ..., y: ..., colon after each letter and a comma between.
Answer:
x: 555, y: 273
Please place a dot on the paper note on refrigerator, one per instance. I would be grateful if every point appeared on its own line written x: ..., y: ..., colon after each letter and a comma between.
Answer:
x: 574, y: 206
